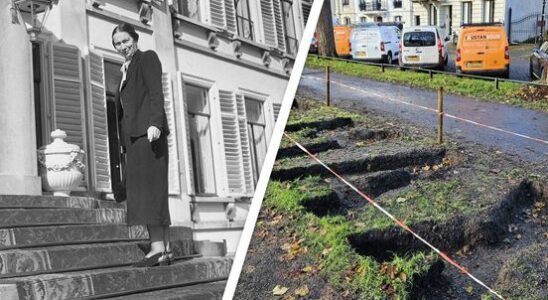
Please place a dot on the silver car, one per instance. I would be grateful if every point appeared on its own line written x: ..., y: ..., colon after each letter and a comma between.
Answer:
x: 538, y: 62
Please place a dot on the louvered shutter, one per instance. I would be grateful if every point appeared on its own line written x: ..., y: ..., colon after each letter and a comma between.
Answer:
x: 188, y: 168
x: 279, y: 22
x: 174, y: 188
x: 269, y: 26
x: 276, y: 109
x: 245, y: 145
x: 217, y: 13
x: 98, y: 124
x: 306, y: 7
x: 67, y: 94
x: 232, y: 143
x: 230, y: 16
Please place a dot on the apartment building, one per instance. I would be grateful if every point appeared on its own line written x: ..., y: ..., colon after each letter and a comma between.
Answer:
x: 226, y: 65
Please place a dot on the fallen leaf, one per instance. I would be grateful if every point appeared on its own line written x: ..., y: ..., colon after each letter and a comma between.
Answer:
x: 279, y: 290
x: 360, y: 144
x: 426, y: 168
x: 326, y: 251
x: 469, y: 289
x: 401, y: 200
x: 307, y: 269
x: 288, y: 297
x: 249, y: 269
x: 302, y: 291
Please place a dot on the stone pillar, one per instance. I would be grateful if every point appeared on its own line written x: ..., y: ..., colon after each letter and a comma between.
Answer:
x: 18, y: 162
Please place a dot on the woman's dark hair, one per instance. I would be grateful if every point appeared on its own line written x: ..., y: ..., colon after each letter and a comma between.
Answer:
x: 125, y: 27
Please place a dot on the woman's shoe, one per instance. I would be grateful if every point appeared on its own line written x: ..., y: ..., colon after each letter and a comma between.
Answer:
x: 158, y: 259
x: 165, y: 259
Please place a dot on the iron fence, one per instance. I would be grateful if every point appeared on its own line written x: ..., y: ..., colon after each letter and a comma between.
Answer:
x: 373, y: 5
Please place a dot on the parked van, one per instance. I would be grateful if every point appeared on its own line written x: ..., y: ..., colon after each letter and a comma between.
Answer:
x: 342, y: 40
x: 483, y: 48
x: 373, y: 42
x: 423, y: 46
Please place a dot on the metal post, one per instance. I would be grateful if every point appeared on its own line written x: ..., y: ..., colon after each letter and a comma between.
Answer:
x: 497, y: 83
x: 430, y: 73
x: 440, y: 115
x: 509, y: 25
x: 382, y: 68
x: 327, y: 87
x: 542, y: 20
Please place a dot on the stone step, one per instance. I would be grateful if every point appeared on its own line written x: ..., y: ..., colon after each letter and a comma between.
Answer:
x: 60, y: 216
x: 25, y: 237
x: 26, y: 201
x: 32, y: 261
x: 358, y: 160
x: 201, y: 291
x: 114, y: 281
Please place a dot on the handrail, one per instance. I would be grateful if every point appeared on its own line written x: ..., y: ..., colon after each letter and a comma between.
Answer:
x: 431, y: 72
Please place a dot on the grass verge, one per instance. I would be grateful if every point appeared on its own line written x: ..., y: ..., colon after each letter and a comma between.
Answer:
x: 508, y: 92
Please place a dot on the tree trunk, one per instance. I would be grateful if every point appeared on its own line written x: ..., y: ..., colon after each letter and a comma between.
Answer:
x: 324, y: 30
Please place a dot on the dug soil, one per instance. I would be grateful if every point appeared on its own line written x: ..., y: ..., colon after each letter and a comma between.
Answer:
x: 497, y: 228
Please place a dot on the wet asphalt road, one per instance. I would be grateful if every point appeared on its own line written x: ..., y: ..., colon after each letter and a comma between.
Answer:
x: 387, y: 98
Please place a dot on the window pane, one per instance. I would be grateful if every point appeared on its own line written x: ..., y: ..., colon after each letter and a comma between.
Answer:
x: 415, y: 39
x: 196, y: 98
x: 254, y: 111
x: 189, y: 8
x: 202, y: 151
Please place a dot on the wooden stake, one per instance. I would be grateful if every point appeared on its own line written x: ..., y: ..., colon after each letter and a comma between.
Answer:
x: 440, y: 115
x: 327, y: 87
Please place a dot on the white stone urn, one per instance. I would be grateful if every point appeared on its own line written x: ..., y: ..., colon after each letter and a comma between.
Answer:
x: 61, y: 165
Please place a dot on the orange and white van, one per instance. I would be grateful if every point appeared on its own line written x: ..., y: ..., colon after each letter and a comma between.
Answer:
x: 342, y: 40
x: 483, y: 49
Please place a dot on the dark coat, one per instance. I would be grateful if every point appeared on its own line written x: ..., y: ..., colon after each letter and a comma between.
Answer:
x: 140, y: 104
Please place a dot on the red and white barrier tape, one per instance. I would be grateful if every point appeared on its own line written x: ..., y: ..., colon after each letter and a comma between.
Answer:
x: 395, y: 220
x: 433, y: 110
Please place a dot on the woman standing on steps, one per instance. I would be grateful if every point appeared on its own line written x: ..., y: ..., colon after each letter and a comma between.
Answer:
x: 143, y: 133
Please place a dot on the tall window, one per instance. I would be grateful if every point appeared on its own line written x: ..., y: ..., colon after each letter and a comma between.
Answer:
x: 347, y: 20
x: 345, y: 2
x: 433, y: 12
x: 256, y: 131
x: 417, y: 20
x: 243, y: 18
x: 489, y: 11
x: 363, y: 19
x: 397, y: 19
x: 398, y: 4
x: 290, y: 31
x: 189, y: 8
x: 199, y: 116
x: 466, y: 13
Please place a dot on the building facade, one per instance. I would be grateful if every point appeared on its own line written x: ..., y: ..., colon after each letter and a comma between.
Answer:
x: 226, y: 65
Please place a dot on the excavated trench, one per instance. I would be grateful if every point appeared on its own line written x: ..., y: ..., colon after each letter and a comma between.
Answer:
x: 329, y: 124
x: 313, y: 148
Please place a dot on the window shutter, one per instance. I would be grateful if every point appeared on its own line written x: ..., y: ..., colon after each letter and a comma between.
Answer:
x: 230, y: 16
x: 306, y: 6
x: 245, y: 145
x: 232, y: 143
x: 67, y: 94
x: 280, y: 33
x: 187, y: 153
x: 173, y: 173
x: 217, y: 13
x: 98, y: 124
x: 276, y: 109
x: 269, y: 27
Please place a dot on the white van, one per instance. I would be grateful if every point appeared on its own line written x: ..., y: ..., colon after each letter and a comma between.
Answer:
x: 423, y: 46
x: 374, y: 42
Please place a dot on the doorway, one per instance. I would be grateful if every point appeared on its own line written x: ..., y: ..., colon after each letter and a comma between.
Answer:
x: 113, y: 76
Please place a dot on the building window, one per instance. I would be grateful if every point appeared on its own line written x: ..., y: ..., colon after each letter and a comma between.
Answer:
x: 433, y: 14
x: 466, y: 13
x: 397, y: 19
x: 256, y: 130
x: 417, y: 20
x: 363, y: 19
x: 243, y: 19
x: 345, y: 2
x: 347, y: 21
x: 189, y: 8
x: 290, y: 31
x: 379, y: 19
x: 199, y: 120
x: 489, y: 11
x: 398, y: 3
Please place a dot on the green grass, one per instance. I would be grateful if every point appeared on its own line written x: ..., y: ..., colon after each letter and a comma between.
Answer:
x: 325, y: 238
x: 508, y: 92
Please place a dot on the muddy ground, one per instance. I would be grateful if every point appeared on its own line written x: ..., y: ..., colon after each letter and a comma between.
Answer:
x: 492, y: 220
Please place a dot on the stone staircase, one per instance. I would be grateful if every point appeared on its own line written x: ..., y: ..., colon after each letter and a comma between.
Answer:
x: 81, y: 248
